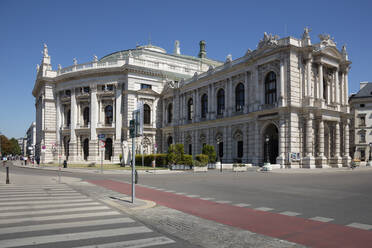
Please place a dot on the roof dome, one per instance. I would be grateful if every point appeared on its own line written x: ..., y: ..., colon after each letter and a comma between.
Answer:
x: 152, y: 48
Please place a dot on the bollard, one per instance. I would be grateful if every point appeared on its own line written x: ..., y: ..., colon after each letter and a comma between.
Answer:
x: 7, y: 175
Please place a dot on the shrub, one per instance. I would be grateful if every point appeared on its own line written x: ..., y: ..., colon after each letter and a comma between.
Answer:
x: 210, y: 152
x: 202, y: 158
x: 175, y: 154
x: 238, y: 165
x: 196, y: 163
x: 187, y: 160
x: 161, y: 159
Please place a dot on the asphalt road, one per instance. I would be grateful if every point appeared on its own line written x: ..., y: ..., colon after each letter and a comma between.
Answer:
x: 344, y: 197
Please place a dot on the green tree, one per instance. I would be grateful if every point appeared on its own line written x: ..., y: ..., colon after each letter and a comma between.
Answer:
x: 210, y: 152
x: 15, y: 149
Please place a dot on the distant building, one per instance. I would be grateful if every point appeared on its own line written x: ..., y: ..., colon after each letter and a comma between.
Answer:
x: 22, y: 142
x: 31, y: 140
x: 361, y: 124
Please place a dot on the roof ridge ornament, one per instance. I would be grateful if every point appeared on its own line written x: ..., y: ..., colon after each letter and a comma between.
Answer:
x: 344, y: 52
x: 306, y: 37
x: 268, y: 40
x: 95, y: 58
x: 45, y: 51
x: 326, y: 40
x: 75, y: 61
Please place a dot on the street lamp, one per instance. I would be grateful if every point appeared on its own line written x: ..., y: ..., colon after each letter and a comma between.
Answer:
x: 219, y: 140
x: 1, y: 153
x: 267, y: 139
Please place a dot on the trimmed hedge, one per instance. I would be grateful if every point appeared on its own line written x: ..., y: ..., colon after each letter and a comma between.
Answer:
x: 160, y: 159
x: 187, y: 159
x: 210, y: 152
x: 202, y: 159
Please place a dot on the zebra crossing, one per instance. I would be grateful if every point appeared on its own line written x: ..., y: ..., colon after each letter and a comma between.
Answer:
x: 58, y: 216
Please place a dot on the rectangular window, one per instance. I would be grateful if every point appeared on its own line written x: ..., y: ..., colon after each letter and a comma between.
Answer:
x: 362, y: 121
x: 86, y: 89
x: 110, y: 87
x: 190, y: 149
x: 146, y: 86
x: 362, y: 138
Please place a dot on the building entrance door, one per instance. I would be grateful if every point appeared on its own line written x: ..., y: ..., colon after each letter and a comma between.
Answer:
x: 108, y: 149
x: 271, y: 144
x: 86, y: 149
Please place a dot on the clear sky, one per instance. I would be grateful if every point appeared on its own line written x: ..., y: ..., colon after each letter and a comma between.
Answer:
x: 83, y: 28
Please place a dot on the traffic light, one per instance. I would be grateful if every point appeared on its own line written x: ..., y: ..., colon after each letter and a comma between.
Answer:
x: 132, y: 128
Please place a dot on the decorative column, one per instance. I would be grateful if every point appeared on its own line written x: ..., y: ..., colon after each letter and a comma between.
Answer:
x: 93, y: 142
x: 346, y: 160
x: 118, y: 124
x: 308, y: 81
x: 281, y: 85
x: 246, y: 92
x: 197, y: 107
x: 337, y: 158
x: 230, y: 98
x: 321, y: 86
x: 226, y: 110
x: 58, y: 125
x: 309, y: 161
x: 73, y: 144
x: 346, y: 89
x: 321, y: 159
x: 281, y: 158
x: 209, y: 102
x: 213, y: 105
x: 245, y: 142
x: 337, y: 93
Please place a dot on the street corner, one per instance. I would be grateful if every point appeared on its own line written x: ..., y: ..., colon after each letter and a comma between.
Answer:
x: 125, y: 203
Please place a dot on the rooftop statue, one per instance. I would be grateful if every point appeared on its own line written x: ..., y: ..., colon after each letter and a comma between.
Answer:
x: 45, y: 51
x: 326, y: 40
x: 268, y: 40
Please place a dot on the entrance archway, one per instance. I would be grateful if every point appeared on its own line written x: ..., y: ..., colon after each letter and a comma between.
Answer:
x: 86, y: 149
x: 271, y: 144
x: 66, y: 144
x: 108, y: 149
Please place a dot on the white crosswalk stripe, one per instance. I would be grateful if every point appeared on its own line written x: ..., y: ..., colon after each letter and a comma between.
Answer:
x: 48, y: 217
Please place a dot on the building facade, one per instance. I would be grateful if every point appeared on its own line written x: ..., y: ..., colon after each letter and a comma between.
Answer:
x: 75, y: 105
x: 285, y: 102
x: 361, y: 124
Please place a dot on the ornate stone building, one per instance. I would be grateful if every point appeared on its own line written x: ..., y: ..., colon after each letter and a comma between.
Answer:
x: 285, y: 102
x: 77, y: 103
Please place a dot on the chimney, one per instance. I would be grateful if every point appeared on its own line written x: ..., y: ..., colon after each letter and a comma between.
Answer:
x: 202, y: 52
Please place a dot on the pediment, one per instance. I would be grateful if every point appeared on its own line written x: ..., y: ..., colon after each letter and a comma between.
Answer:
x: 332, y: 52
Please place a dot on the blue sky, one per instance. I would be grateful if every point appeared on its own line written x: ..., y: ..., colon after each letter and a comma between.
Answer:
x: 83, y: 28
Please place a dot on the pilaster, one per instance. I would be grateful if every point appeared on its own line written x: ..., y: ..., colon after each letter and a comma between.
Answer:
x: 281, y: 158
x: 337, y: 161
x: 309, y: 160
x: 321, y: 160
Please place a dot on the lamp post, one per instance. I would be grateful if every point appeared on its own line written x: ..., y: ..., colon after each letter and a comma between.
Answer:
x: 1, y: 152
x: 370, y: 155
x: 267, y: 139
x: 219, y: 158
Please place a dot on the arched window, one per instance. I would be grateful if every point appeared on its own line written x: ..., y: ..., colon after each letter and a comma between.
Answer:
x: 108, y: 114
x: 220, y: 101
x: 270, y: 88
x: 239, y: 97
x: 146, y: 114
x: 204, y: 106
x: 170, y: 141
x: 68, y: 117
x: 86, y: 116
x: 170, y: 113
x: 190, y: 109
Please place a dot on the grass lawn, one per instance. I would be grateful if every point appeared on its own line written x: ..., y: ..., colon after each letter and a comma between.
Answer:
x: 105, y: 166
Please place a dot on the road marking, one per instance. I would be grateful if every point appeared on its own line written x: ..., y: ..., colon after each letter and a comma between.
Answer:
x: 321, y: 219
x: 44, y: 202
x: 52, y: 211
x: 50, y: 197
x: 180, y: 193
x: 193, y: 196
x: 138, y: 243
x: 19, y: 229
x: 264, y: 209
x: 360, y: 226
x: 242, y: 205
x: 223, y: 202
x: 39, y: 195
x: 289, y: 213
x: 161, y: 189
x: 207, y: 198
x: 38, y: 240
x: 59, y: 217
x: 17, y: 192
x: 28, y: 207
x: 169, y: 191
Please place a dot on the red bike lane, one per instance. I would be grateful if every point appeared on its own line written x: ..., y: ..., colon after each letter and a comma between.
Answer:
x: 294, y: 229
